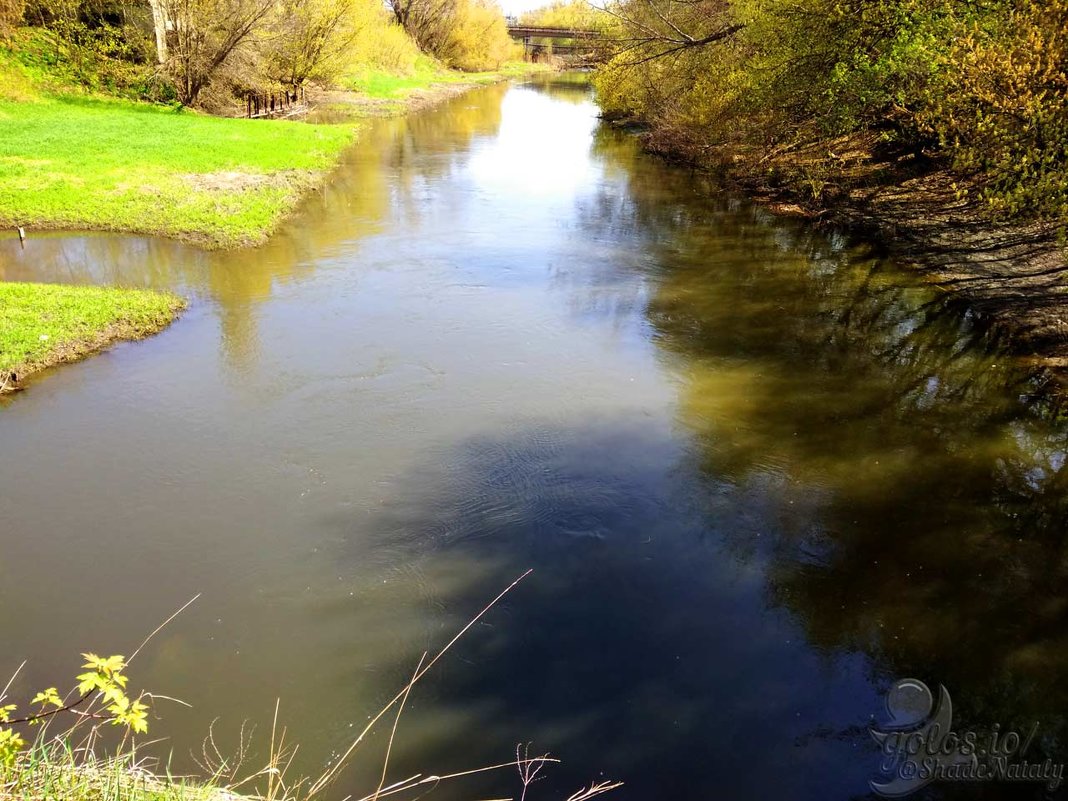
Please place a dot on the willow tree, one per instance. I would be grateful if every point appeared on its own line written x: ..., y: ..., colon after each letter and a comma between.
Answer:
x: 465, y: 34
x: 478, y: 38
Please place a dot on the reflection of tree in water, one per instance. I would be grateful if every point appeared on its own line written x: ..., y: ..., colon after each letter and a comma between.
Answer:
x: 374, y: 185
x: 851, y: 454
x: 940, y: 499
x: 570, y: 87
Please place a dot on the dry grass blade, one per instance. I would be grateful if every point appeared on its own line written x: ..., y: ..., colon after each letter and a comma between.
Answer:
x: 10, y: 681
x: 422, y: 781
x: 330, y: 774
x: 396, y: 722
x: 162, y: 626
x: 594, y: 790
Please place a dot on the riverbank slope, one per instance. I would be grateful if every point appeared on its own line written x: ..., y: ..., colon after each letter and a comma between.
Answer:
x: 114, y: 165
x: 940, y: 126
x: 1009, y: 270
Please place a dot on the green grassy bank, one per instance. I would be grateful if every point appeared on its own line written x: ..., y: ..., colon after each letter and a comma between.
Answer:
x: 72, y: 159
x: 70, y: 162
x: 116, y: 781
x: 43, y: 325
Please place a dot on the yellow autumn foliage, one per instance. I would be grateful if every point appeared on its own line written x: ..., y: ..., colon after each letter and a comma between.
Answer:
x: 478, y: 38
x: 1006, y: 113
x: 574, y: 14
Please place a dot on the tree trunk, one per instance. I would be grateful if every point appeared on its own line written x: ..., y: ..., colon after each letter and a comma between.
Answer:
x: 159, y: 23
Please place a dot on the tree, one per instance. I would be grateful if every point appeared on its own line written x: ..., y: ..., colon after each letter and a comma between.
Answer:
x: 573, y: 14
x: 426, y: 21
x: 478, y: 38
x: 653, y: 29
x: 159, y: 28
x: 10, y: 15
x: 310, y: 39
x: 206, y: 34
x: 465, y: 34
x: 1004, y: 112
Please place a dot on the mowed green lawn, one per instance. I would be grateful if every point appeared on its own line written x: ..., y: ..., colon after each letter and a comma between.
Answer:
x: 44, y: 324
x: 70, y: 162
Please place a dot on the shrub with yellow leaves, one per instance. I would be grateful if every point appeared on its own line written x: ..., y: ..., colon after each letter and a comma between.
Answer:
x: 1004, y: 115
x: 100, y: 695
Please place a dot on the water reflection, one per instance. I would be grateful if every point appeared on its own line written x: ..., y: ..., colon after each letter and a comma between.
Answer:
x: 759, y: 473
x: 928, y: 499
x: 640, y: 647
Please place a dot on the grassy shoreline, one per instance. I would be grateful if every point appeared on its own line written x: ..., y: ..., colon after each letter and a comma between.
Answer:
x: 118, y: 782
x: 43, y: 325
x: 77, y: 162
x: 101, y: 164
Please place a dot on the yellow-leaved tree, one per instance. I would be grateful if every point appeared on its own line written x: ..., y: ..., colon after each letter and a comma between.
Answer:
x: 478, y: 39
x: 469, y: 35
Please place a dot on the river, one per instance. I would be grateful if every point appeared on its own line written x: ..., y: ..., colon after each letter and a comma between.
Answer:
x: 759, y: 472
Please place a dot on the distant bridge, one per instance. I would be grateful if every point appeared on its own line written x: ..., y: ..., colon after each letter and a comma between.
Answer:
x: 542, y: 32
x: 529, y: 33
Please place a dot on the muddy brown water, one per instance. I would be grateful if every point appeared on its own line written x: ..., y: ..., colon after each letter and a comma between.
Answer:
x: 759, y: 473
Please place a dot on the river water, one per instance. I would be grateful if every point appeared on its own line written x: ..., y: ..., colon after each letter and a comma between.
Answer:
x: 759, y: 473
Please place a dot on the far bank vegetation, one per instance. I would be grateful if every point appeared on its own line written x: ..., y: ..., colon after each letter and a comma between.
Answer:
x: 213, y: 53
x: 977, y: 88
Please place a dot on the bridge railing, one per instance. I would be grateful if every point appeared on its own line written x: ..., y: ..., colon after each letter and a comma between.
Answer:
x: 545, y: 32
